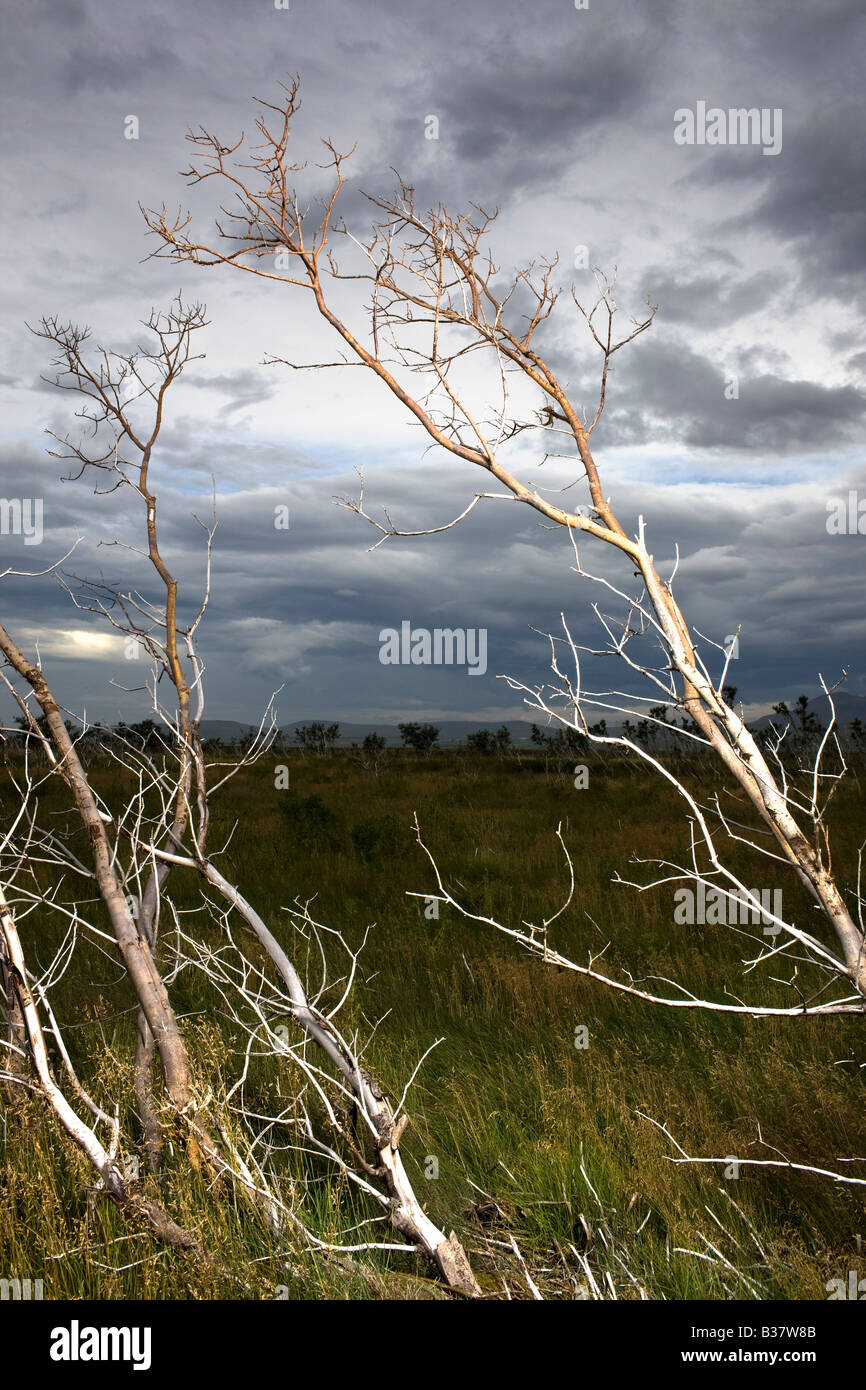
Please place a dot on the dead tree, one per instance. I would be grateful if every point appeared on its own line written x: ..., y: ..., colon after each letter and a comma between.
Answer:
x: 434, y: 303
x: 164, y: 829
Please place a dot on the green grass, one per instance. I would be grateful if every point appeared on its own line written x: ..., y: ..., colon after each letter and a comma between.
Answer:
x: 530, y: 1135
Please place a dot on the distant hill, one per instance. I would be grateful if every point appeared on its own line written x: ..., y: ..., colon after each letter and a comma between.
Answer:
x: 847, y: 707
x: 451, y: 731
x: 454, y: 731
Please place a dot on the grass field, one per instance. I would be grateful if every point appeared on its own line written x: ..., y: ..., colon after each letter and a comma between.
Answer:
x: 532, y: 1136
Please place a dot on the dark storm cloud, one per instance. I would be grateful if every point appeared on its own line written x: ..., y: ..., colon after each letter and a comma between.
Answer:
x: 104, y: 66
x: 818, y: 202
x: 813, y: 202
x: 303, y: 608
x: 682, y: 397
x: 564, y: 118
x: 814, y: 197
x: 544, y: 91
x: 712, y: 300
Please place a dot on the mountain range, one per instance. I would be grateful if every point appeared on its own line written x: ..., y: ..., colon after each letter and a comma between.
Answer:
x: 454, y: 731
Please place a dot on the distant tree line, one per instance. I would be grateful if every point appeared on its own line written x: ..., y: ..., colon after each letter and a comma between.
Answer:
x: 658, y: 731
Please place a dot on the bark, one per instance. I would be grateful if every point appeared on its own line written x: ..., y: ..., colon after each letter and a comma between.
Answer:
x: 145, y: 1051
x: 407, y: 1215
x: 747, y: 764
x: 129, y: 1201
x: 135, y: 951
x: 14, y: 1059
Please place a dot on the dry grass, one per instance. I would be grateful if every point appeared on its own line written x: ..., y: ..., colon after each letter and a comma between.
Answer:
x: 532, y: 1137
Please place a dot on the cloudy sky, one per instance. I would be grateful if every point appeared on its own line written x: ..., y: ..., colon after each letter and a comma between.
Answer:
x: 565, y: 119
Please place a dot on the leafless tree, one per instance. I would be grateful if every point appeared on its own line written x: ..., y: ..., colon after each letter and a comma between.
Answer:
x: 161, y: 830
x: 459, y: 344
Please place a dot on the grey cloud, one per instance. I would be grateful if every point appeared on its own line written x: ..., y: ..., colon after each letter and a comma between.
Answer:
x: 712, y: 301
x: 550, y: 82
x: 562, y: 117
x: 246, y: 388
x: 680, y: 398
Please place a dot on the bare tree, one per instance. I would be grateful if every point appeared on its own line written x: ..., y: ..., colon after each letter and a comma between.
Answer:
x: 433, y: 303
x: 161, y: 830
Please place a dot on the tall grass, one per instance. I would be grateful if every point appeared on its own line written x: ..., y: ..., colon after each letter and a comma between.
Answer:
x: 527, y: 1134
